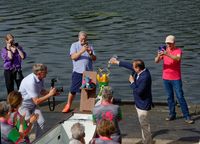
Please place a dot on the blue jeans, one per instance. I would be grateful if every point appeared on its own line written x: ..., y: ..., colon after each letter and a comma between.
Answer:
x: 170, y: 87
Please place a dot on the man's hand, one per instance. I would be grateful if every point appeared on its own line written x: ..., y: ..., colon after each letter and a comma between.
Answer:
x: 113, y: 61
x: 89, y: 50
x: 131, y: 79
x: 161, y: 53
x: 45, y: 95
x: 83, y: 49
x: 53, y: 91
x: 159, y: 56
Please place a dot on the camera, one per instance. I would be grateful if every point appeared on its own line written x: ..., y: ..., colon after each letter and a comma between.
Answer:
x: 85, y: 44
x: 15, y: 44
x: 161, y: 48
x: 58, y: 89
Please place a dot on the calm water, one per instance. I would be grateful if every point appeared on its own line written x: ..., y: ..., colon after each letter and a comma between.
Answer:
x: 129, y: 29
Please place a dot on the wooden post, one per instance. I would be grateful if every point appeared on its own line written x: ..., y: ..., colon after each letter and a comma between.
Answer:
x: 88, y: 97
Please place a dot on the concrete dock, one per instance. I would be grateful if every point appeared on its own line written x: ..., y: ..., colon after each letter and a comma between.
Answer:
x: 163, y: 132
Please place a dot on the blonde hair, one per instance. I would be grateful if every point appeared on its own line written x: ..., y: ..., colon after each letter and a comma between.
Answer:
x: 8, y: 37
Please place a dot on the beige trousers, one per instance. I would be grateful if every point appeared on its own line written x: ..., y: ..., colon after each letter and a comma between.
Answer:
x: 145, y: 126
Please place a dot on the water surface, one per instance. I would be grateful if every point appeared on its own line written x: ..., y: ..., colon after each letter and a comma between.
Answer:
x: 129, y: 29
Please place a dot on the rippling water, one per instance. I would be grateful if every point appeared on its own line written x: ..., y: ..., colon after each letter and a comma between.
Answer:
x: 130, y: 29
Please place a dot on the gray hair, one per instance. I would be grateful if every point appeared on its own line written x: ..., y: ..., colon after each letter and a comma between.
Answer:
x: 4, y: 108
x: 78, y: 131
x: 39, y: 67
x: 82, y: 33
x: 107, y: 93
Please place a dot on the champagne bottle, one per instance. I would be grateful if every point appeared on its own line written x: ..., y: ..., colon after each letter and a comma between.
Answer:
x: 114, y: 56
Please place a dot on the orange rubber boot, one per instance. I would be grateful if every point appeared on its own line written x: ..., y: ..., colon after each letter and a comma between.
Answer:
x: 66, y: 108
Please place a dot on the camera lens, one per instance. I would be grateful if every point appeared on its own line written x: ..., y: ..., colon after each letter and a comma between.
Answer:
x: 16, y: 44
x: 60, y: 89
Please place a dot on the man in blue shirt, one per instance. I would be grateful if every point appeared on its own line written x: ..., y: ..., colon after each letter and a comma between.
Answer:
x: 140, y: 82
x: 82, y: 55
x: 34, y: 94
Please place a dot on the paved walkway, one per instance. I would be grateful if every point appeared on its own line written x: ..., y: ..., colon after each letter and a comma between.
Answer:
x: 163, y: 132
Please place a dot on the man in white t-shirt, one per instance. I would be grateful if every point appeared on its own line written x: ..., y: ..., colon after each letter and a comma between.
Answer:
x: 33, y: 93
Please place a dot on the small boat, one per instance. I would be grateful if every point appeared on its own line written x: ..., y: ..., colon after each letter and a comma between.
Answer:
x: 61, y: 133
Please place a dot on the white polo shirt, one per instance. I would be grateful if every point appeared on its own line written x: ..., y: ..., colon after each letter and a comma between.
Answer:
x: 30, y: 88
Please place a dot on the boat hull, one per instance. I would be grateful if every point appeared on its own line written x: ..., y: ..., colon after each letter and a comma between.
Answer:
x: 61, y: 133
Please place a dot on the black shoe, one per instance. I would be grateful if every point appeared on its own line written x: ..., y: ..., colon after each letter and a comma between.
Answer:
x: 189, y: 121
x: 170, y: 118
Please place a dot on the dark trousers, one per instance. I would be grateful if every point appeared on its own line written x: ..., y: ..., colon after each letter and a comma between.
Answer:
x: 10, y: 77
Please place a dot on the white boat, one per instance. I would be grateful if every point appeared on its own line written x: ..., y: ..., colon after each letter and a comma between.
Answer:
x: 61, y: 133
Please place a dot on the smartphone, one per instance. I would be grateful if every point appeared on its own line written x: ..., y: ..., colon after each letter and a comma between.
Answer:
x: 162, y: 48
